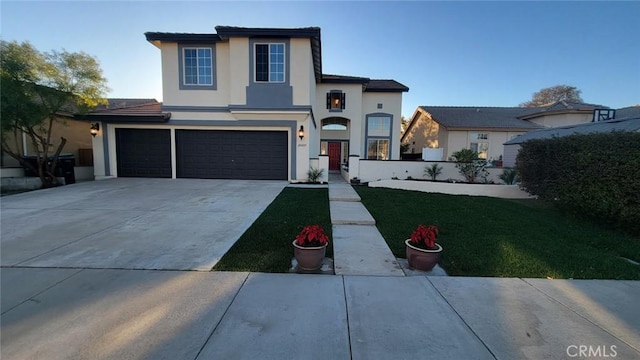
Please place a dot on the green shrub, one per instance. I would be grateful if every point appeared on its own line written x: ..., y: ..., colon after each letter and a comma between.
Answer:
x: 314, y: 174
x: 509, y: 176
x: 470, y: 165
x: 433, y: 171
x: 597, y: 175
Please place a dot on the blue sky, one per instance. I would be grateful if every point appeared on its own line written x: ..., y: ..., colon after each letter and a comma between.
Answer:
x: 448, y: 53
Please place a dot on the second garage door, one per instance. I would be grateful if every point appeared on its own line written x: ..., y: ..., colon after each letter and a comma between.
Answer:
x: 213, y: 154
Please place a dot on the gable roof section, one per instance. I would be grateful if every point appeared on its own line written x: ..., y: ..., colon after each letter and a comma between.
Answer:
x: 127, y: 110
x: 343, y: 79
x: 375, y: 85
x: 630, y: 111
x: 157, y: 37
x: 562, y: 107
x: 368, y: 85
x: 475, y: 117
x: 628, y: 124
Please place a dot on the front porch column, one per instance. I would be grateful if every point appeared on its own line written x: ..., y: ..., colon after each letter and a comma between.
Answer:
x: 354, y: 166
x: 323, y: 164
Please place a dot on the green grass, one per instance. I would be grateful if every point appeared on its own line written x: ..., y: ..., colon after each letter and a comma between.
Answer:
x: 266, y: 245
x: 485, y: 236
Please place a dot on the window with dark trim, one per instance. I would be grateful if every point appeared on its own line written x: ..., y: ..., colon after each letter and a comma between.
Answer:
x: 378, y: 149
x: 336, y: 100
x: 269, y: 63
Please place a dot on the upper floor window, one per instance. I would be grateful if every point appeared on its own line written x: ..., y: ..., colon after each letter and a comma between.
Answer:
x: 197, y: 66
x: 336, y: 100
x: 269, y: 63
x: 379, y: 123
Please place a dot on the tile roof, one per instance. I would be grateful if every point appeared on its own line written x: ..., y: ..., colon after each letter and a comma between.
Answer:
x: 181, y: 37
x: 226, y: 31
x: 127, y: 110
x: 482, y: 117
x: 630, y: 111
x: 376, y: 85
x: 370, y: 85
x: 628, y: 124
x: 343, y: 79
x: 562, y: 106
x: 572, y: 105
x: 116, y: 103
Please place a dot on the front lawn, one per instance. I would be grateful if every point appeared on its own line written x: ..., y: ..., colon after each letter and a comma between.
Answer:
x: 485, y: 236
x: 266, y: 245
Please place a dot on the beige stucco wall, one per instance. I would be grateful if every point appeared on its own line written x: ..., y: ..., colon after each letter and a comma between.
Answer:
x: 239, y: 67
x: 353, y: 99
x: 424, y: 133
x: 352, y: 112
x: 76, y: 132
x: 300, y: 62
x: 172, y: 95
x: 459, y: 139
x: 562, y: 119
x: 391, y: 104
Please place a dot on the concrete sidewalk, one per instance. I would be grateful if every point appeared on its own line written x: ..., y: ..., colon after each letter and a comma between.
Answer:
x: 145, y: 314
x: 358, y: 247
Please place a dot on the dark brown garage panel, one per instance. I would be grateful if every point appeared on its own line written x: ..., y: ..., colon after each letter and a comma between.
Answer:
x: 143, y: 152
x: 215, y: 154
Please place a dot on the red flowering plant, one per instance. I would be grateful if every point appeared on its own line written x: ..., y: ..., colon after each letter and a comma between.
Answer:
x: 312, y: 236
x: 424, y: 237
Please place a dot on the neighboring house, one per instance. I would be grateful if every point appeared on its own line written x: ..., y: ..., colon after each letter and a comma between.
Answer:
x: 452, y: 128
x: 485, y: 129
x: 249, y: 103
x: 78, y: 143
x: 625, y: 119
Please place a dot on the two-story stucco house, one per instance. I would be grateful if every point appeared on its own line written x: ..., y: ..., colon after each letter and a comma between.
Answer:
x: 250, y: 103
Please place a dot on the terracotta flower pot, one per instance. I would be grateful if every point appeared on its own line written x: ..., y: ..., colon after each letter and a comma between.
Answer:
x: 421, y: 259
x: 309, y: 258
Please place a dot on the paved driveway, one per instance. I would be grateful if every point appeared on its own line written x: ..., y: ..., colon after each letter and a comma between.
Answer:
x: 131, y: 223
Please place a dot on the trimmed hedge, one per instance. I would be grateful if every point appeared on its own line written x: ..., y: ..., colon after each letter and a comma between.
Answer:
x: 597, y: 175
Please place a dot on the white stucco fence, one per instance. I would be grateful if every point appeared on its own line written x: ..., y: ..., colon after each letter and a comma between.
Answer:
x: 499, y: 191
x: 373, y: 170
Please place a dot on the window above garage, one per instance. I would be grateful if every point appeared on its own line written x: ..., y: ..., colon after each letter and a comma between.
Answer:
x: 197, y: 67
x: 270, y: 62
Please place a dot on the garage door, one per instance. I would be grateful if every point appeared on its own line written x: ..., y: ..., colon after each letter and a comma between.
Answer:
x: 253, y: 155
x: 143, y: 152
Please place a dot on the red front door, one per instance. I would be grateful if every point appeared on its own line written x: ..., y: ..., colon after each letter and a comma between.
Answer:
x: 334, y: 155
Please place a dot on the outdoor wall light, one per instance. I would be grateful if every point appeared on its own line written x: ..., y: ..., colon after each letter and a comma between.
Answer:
x: 95, y: 127
x: 301, y: 132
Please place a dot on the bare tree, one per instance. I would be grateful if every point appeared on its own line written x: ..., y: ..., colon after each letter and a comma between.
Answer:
x: 552, y: 94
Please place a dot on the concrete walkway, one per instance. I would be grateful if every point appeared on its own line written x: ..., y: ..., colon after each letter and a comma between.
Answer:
x: 358, y: 246
x: 151, y: 314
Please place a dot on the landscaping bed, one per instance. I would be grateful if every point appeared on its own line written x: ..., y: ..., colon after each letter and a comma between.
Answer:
x: 266, y: 245
x: 485, y: 236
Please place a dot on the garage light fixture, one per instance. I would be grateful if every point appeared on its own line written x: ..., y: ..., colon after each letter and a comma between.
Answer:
x: 95, y: 127
x: 301, y: 132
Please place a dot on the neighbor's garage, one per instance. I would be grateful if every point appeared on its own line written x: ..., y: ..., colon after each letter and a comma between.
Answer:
x: 143, y: 152
x: 218, y: 154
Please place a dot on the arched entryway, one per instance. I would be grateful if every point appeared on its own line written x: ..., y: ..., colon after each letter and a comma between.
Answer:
x: 334, y: 141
